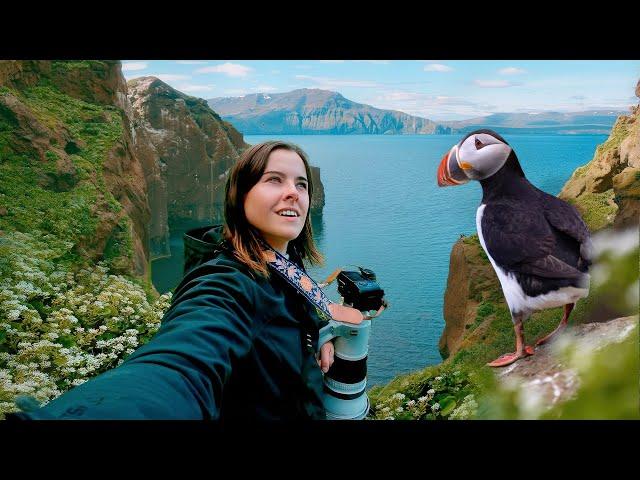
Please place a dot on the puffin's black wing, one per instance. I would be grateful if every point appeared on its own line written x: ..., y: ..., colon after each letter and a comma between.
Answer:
x: 521, y: 240
x: 549, y: 267
x: 566, y: 218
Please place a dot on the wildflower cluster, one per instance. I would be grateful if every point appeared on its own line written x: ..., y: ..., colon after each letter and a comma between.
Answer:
x: 449, y: 395
x: 60, y: 327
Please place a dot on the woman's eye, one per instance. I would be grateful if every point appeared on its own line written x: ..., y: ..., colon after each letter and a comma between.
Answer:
x: 273, y: 179
x: 303, y: 185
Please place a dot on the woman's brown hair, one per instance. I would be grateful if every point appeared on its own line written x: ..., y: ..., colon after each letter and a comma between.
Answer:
x: 244, y: 238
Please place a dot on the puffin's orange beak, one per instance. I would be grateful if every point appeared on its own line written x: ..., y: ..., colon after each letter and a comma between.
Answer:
x: 443, y: 178
x: 449, y: 172
x: 444, y: 175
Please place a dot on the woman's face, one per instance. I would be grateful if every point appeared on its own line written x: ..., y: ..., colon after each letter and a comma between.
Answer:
x: 277, y: 205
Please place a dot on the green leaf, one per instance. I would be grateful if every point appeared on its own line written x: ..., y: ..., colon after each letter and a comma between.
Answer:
x: 447, y: 404
x: 67, y: 341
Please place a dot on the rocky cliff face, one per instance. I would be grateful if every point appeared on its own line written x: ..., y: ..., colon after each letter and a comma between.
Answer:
x: 470, y: 282
x: 68, y: 165
x: 186, y: 150
x: 607, y: 189
x: 314, y: 111
x: 317, y: 202
x: 550, y: 378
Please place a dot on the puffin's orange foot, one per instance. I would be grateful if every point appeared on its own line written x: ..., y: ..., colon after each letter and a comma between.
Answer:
x: 544, y: 340
x: 509, y: 358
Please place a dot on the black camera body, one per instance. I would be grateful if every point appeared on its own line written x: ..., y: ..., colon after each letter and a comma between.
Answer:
x: 360, y: 289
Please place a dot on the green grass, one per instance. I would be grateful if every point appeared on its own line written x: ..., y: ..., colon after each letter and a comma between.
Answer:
x: 69, y: 65
x: 597, y: 209
x: 83, y: 134
x: 23, y: 177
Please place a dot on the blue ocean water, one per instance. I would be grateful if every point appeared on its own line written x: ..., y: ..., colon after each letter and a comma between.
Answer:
x: 384, y: 211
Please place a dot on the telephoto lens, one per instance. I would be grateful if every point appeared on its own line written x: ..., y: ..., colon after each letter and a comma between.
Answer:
x: 345, y: 383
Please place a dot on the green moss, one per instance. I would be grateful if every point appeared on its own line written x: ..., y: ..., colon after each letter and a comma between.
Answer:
x: 119, y: 248
x: 31, y: 204
x: 485, y: 309
x: 471, y: 240
x: 69, y: 65
x: 8, y: 120
x: 597, y: 209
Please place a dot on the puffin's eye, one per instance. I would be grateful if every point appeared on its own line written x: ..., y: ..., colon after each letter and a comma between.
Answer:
x: 479, y: 144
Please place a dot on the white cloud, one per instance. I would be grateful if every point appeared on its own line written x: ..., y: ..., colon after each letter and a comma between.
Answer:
x: 275, y: 72
x: 240, y: 92
x: 190, y: 62
x: 303, y: 67
x: 511, y: 71
x: 195, y: 88
x: 433, y: 107
x: 329, y: 83
x: 493, y: 83
x: 131, y: 66
x: 170, y: 77
x: 264, y: 88
x: 230, y: 69
x: 437, y: 67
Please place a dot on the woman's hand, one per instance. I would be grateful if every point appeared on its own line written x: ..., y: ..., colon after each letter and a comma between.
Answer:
x: 326, y: 356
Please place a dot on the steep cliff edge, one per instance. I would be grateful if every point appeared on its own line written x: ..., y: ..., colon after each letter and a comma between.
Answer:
x: 67, y: 162
x: 607, y: 190
x: 186, y: 150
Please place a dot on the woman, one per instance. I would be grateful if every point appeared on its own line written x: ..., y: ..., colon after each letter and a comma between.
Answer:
x: 238, y: 342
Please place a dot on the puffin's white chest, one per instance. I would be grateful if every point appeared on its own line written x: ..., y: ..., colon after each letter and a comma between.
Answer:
x: 519, y: 301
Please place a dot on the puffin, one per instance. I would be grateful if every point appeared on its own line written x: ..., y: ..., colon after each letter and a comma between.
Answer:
x: 538, y: 244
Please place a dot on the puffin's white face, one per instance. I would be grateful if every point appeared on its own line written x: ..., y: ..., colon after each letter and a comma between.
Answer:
x: 476, y: 157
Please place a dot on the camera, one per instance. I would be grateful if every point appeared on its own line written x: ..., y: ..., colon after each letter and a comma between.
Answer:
x: 360, y: 289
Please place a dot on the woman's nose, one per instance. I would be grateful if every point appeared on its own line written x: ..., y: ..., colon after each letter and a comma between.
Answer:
x: 291, y: 191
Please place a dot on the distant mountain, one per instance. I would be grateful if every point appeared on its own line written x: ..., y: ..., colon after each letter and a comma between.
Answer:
x: 595, y: 121
x: 314, y: 111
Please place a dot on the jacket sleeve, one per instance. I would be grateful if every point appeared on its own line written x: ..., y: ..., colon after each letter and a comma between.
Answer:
x: 181, y: 372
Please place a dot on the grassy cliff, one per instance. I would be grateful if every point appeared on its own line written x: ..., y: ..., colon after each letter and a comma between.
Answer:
x: 75, y: 296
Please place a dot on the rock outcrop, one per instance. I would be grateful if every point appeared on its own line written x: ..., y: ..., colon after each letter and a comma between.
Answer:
x: 607, y: 190
x: 186, y: 150
x: 470, y: 281
x: 64, y: 124
x: 317, y: 202
x: 548, y: 378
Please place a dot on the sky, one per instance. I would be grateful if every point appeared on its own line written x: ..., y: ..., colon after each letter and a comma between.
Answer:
x: 434, y: 89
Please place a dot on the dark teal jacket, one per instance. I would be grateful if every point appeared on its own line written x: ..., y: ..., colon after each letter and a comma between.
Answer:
x: 232, y: 346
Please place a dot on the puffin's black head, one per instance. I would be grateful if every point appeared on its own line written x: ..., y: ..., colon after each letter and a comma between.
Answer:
x: 477, y: 156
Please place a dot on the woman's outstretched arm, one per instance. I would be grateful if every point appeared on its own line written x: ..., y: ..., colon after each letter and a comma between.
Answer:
x: 181, y: 372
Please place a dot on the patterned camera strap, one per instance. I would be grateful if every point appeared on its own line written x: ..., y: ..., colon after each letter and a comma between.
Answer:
x: 304, y: 284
